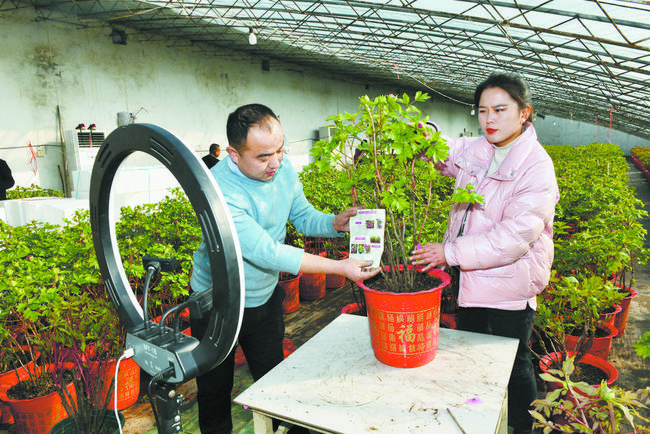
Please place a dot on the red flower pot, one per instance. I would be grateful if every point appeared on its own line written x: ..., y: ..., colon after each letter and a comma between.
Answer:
x: 610, y: 370
x: 609, y: 317
x: 37, y: 415
x: 404, y: 327
x: 600, y: 346
x: 333, y: 281
x: 449, y: 320
x: 620, y: 321
x: 351, y: 308
x: 291, y: 287
x: 312, y: 285
x: 10, y: 377
x: 128, y: 382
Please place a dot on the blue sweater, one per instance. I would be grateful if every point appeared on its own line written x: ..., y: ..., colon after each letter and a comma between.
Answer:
x: 260, y: 211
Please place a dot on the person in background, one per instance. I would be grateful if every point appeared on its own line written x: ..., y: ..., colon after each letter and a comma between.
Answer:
x: 6, y: 180
x: 212, y: 159
x: 263, y: 193
x: 505, y: 251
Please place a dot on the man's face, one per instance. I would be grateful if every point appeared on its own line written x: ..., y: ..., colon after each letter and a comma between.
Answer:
x: 261, y: 155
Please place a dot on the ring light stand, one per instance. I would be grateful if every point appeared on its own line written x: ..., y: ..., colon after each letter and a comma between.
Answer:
x: 164, y: 353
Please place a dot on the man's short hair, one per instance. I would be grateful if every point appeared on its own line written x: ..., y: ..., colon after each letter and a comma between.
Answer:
x: 213, y: 147
x: 242, y: 119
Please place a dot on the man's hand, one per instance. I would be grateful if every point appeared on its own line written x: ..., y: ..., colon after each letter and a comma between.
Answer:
x: 342, y: 221
x: 355, y: 269
x: 430, y: 255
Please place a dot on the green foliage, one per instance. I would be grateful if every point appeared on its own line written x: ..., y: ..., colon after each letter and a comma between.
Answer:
x: 643, y: 154
x: 642, y: 347
x: 383, y: 156
x: 53, y: 298
x: 20, y: 192
x: 168, y: 228
x: 598, y: 238
x: 573, y: 306
x: 579, y: 407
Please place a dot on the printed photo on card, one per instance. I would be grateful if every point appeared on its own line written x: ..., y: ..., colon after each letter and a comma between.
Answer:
x: 367, y: 235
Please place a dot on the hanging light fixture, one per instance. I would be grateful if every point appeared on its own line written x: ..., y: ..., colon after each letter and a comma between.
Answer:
x: 252, y: 39
x: 472, y: 112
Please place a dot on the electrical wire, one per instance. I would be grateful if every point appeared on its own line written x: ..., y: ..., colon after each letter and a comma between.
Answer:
x: 127, y: 354
x: 151, y: 270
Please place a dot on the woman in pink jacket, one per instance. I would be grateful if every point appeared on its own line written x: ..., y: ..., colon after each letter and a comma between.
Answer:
x: 504, y: 247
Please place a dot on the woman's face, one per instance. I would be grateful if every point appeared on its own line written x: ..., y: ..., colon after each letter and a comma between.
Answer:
x: 500, y: 116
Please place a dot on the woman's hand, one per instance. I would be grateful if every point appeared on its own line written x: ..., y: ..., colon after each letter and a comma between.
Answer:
x: 430, y: 255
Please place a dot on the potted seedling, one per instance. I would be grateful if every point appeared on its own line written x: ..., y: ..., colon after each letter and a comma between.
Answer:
x: 383, y: 156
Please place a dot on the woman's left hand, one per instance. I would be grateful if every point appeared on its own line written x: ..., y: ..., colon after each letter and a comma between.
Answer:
x: 430, y: 255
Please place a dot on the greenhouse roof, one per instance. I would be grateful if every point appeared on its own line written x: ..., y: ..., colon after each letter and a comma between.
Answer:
x: 586, y: 60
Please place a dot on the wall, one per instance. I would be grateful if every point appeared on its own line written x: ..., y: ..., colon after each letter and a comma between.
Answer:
x: 557, y: 131
x: 48, y: 68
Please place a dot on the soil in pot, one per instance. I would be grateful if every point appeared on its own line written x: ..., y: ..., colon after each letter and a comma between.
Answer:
x: 41, y: 386
x: 421, y: 282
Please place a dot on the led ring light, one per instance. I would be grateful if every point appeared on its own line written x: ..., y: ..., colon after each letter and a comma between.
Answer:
x: 153, y: 353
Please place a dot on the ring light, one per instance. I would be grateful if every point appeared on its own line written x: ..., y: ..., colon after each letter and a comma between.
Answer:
x: 153, y: 351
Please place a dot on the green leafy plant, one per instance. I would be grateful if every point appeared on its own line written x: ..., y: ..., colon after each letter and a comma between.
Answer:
x: 55, y: 305
x: 579, y: 407
x: 573, y: 306
x: 20, y: 192
x: 383, y: 156
x: 642, y: 347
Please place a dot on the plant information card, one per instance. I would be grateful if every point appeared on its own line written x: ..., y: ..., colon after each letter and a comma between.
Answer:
x: 367, y: 235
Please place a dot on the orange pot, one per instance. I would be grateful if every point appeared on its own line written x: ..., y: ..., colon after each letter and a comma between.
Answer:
x: 404, y: 327
x: 37, y: 415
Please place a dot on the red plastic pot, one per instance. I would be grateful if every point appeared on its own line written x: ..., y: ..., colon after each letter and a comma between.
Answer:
x: 37, y: 415
x: 10, y: 377
x: 312, y: 285
x: 600, y: 347
x: 291, y: 287
x: 449, y: 320
x: 333, y: 281
x: 404, y: 327
x: 609, y: 317
x: 351, y: 308
x: 128, y: 382
x: 620, y: 321
x: 610, y: 370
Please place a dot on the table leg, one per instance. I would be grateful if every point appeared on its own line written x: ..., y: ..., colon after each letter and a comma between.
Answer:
x: 262, y: 423
x: 502, y: 426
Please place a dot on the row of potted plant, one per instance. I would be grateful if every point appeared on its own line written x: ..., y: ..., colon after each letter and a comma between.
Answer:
x: 56, y: 314
x: 374, y: 160
x: 598, y: 234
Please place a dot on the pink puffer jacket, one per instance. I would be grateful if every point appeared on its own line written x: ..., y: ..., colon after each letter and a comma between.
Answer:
x: 506, y: 251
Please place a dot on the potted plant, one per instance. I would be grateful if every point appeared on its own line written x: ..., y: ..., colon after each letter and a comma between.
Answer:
x: 571, y: 306
x: 580, y: 407
x: 383, y: 156
x: 291, y: 284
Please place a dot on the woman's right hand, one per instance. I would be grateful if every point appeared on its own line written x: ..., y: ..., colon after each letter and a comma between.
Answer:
x: 429, y: 256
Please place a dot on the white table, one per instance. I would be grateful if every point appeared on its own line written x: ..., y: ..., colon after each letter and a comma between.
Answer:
x: 333, y: 383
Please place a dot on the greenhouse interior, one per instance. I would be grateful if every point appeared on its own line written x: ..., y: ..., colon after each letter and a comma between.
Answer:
x: 327, y: 216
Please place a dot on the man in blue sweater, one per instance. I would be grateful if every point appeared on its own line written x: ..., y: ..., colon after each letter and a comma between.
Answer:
x: 263, y: 193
